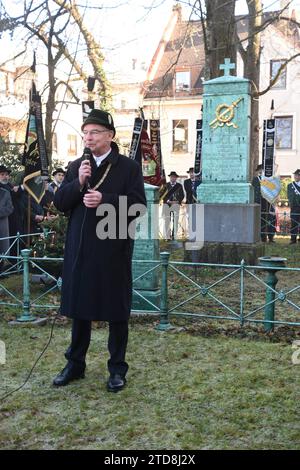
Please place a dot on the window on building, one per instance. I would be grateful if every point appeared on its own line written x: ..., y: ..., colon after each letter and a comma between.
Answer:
x: 54, y: 142
x: 123, y: 104
x: 72, y: 145
x: 274, y: 67
x: 180, y: 135
x: 284, y: 132
x: 183, y: 80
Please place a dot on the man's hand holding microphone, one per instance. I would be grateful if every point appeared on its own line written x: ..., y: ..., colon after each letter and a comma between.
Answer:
x: 92, y: 198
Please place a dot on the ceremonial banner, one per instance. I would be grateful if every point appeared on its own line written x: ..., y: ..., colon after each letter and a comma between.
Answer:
x: 270, y: 188
x: 35, y: 158
x: 159, y: 178
x: 155, y: 141
x: 135, y: 152
x: 149, y: 159
x: 199, y: 133
x: 268, y: 147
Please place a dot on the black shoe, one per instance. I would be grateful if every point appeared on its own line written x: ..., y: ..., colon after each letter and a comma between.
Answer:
x: 272, y: 241
x: 68, y: 374
x: 292, y: 242
x: 116, y: 383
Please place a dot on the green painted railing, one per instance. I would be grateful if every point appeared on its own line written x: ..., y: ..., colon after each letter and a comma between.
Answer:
x: 280, y: 223
x: 247, y: 303
x: 239, y: 293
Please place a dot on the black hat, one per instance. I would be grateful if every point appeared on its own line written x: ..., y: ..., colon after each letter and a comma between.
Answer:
x: 58, y: 170
x: 97, y: 116
x: 259, y: 167
x: 191, y: 170
x: 297, y: 172
x: 4, y: 169
x: 173, y: 173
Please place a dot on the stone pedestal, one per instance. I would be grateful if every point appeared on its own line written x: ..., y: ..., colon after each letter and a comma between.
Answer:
x: 147, y: 250
x: 231, y: 233
x: 232, y: 223
x: 226, y: 253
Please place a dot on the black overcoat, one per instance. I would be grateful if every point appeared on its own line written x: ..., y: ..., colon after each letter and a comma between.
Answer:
x: 191, y: 191
x: 97, y: 280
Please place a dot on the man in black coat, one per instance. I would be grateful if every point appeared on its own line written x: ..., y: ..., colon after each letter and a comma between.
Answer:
x: 58, y: 176
x: 190, y: 186
x: 172, y: 199
x: 16, y: 218
x: 293, y: 192
x: 97, y: 280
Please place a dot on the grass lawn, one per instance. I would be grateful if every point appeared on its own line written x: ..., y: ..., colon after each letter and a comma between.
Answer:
x: 203, y: 385
x: 194, y: 387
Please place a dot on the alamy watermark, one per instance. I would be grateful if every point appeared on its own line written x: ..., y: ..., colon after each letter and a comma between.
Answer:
x: 138, y: 222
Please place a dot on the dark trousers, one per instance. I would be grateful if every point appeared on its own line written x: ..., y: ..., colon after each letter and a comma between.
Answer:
x: 267, y: 221
x: 295, y: 222
x: 117, y: 343
x: 268, y: 226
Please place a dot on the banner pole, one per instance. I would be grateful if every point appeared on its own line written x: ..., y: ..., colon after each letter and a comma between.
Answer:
x: 28, y: 218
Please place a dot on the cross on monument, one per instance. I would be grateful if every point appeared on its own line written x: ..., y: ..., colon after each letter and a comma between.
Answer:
x: 227, y: 67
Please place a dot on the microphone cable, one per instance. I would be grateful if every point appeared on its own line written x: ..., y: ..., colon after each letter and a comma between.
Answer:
x: 6, y: 395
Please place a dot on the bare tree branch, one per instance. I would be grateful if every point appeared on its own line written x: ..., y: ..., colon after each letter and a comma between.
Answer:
x: 69, y: 88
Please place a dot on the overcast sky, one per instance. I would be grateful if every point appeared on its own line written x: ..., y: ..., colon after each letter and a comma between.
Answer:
x: 129, y: 29
x: 141, y: 24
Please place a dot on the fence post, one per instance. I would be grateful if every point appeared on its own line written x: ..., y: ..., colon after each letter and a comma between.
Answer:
x: 242, y: 292
x: 164, y: 313
x: 18, y: 251
x: 26, y: 315
x: 271, y: 281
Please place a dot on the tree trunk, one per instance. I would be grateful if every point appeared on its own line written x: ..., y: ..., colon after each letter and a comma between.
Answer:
x: 50, y: 106
x: 220, y: 35
x: 252, y: 72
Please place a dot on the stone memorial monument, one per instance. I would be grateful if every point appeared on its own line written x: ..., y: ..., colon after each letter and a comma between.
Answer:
x: 230, y: 216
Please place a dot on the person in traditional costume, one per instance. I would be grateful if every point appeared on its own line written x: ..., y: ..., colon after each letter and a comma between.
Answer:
x: 293, y: 193
x: 172, y: 200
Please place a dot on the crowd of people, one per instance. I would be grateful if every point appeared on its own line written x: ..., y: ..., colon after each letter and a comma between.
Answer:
x: 174, y: 194
x: 15, y: 216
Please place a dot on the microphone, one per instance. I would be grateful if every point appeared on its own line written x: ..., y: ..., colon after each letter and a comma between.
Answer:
x: 87, y: 155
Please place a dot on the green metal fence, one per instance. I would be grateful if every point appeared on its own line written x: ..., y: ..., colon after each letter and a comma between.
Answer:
x: 19, y: 294
x: 268, y: 293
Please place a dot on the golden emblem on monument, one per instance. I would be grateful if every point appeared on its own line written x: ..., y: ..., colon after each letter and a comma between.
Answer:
x: 225, y: 114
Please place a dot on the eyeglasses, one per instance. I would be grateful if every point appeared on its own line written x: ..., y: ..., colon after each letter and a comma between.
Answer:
x: 94, y: 132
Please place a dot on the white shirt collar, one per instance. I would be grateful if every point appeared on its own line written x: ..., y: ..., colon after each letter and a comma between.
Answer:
x: 100, y: 159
